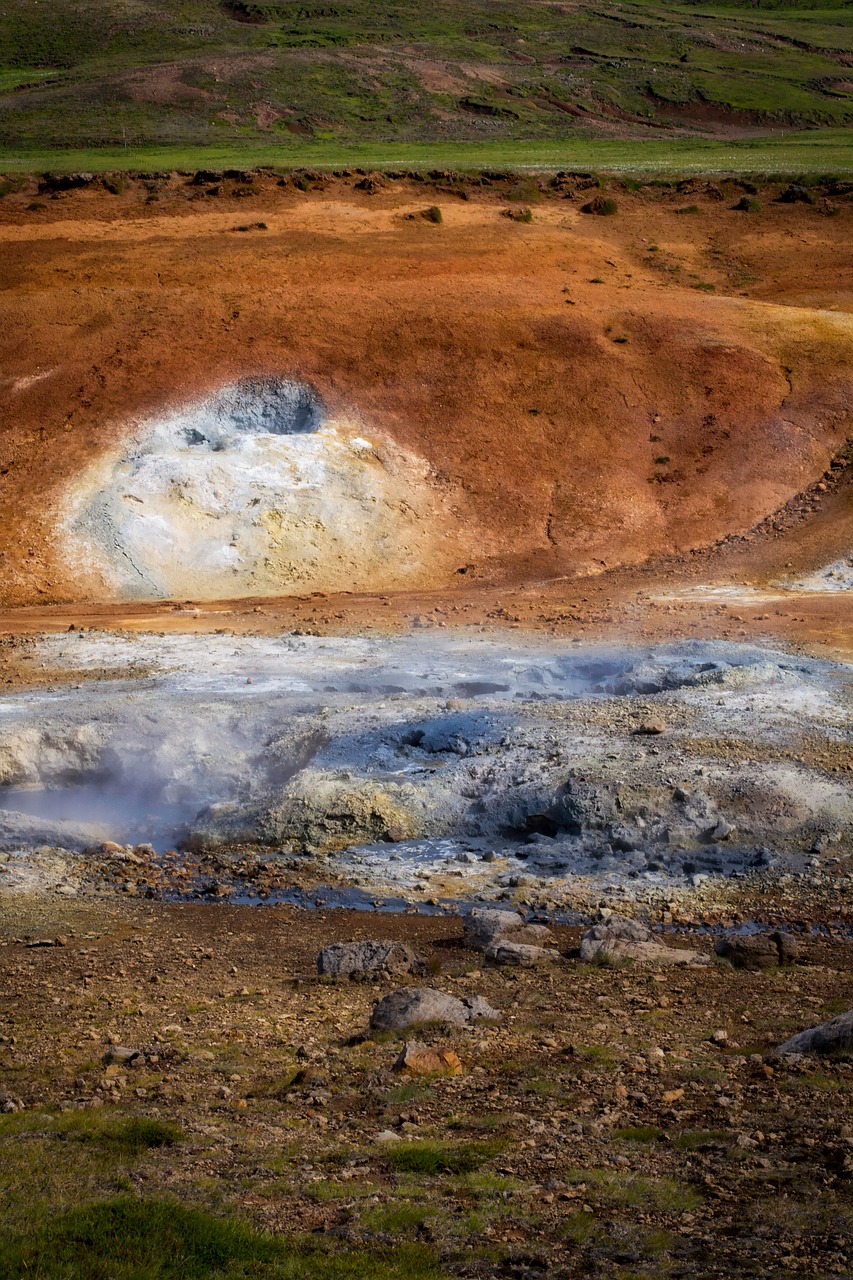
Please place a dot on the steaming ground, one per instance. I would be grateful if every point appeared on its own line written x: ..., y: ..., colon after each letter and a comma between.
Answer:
x: 430, y: 768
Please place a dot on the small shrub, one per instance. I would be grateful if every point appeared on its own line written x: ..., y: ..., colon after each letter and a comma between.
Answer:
x: 35, y: 206
x: 433, y: 214
x: 704, y: 286
x: 748, y: 204
x: 689, y: 208
x: 662, y: 461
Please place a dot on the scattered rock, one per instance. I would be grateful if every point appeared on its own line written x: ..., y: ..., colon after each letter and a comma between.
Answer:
x: 616, y: 940
x: 421, y: 1060
x: 387, y: 1135
x: 352, y: 959
x: 758, y: 950
x: 796, y: 194
x: 118, y: 1053
x: 486, y: 926
x: 650, y: 727
x: 520, y: 953
x: 412, y: 1006
x: 834, y: 1036
x: 604, y: 206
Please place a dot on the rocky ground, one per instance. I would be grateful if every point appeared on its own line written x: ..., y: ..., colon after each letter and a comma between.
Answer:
x: 165, y: 1031
x: 614, y: 1121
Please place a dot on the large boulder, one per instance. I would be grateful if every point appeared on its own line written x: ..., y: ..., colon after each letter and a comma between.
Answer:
x: 352, y: 959
x: 486, y: 926
x: 412, y: 1006
x: 758, y: 950
x: 615, y: 941
x: 834, y: 1036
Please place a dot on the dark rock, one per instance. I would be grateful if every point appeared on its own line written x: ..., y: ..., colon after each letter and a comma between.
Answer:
x: 796, y: 194
x: 758, y: 950
x: 351, y: 959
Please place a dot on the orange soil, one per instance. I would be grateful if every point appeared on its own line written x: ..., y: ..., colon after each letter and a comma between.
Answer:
x: 541, y: 369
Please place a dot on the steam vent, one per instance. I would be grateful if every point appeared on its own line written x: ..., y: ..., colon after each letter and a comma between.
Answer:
x: 255, y: 489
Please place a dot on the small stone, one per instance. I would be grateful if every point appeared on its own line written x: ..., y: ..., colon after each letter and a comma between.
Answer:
x: 650, y: 728
x: 387, y: 1135
x: 520, y: 954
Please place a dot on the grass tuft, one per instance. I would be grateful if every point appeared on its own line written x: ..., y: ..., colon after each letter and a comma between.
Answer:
x: 433, y: 1158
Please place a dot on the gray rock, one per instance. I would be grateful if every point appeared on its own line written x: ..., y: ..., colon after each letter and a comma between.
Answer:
x: 834, y: 1036
x: 520, y: 953
x: 485, y: 926
x: 350, y: 959
x: 758, y: 950
x: 21, y: 830
x: 615, y: 941
x: 119, y: 1053
x: 414, y: 1005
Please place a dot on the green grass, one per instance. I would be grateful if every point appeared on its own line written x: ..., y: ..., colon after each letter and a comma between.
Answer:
x: 701, y: 1140
x: 638, y: 1133
x: 128, y: 1239
x: 105, y: 74
x: 816, y: 153
x: 432, y: 1158
x: 626, y: 1190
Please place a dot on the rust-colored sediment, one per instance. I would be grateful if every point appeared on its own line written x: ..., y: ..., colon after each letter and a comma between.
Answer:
x: 542, y: 370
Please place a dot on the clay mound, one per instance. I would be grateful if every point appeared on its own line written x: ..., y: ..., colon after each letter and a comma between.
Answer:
x: 251, y: 490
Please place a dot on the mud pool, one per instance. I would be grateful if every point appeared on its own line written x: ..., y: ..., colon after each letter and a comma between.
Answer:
x: 423, y: 767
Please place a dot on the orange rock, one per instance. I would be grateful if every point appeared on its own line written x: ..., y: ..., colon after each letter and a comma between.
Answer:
x: 421, y: 1060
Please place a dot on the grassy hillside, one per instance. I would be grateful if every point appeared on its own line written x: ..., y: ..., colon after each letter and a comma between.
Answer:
x: 137, y: 73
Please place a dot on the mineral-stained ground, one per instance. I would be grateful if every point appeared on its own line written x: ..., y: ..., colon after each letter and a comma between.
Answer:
x: 360, y: 565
